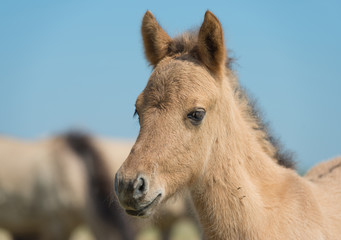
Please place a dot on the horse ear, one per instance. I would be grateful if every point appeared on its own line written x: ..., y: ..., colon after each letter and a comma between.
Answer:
x: 155, y: 39
x: 211, y: 43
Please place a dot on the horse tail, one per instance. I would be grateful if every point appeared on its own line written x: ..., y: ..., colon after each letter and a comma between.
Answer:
x: 100, y: 182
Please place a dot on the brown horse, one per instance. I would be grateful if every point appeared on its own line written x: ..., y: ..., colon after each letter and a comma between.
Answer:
x: 200, y: 132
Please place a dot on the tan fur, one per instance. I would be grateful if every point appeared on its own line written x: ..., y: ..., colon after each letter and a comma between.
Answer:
x: 211, y: 35
x: 238, y: 188
x: 154, y: 38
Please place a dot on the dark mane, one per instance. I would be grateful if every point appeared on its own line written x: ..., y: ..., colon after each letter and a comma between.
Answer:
x: 186, y: 45
x: 271, y: 144
x: 100, y: 182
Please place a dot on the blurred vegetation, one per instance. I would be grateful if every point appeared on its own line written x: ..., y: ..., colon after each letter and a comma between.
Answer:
x: 182, y: 230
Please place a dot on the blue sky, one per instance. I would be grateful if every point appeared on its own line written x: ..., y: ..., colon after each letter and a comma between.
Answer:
x: 67, y: 64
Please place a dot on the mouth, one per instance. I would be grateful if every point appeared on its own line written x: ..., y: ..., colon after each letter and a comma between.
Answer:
x: 143, y: 212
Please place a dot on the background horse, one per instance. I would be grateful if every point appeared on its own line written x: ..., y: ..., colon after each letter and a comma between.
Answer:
x: 199, y: 131
x: 49, y: 187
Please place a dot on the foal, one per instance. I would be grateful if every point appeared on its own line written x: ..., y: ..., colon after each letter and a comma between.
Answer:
x: 199, y: 132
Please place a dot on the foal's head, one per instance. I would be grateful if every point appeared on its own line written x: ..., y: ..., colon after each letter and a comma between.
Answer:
x: 178, y: 113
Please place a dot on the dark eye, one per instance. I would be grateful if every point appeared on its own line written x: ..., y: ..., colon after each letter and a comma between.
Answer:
x: 196, y: 116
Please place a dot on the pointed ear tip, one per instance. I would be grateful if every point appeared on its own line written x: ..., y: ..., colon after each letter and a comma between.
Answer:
x: 148, y: 14
x: 210, y: 16
x: 148, y: 18
x: 208, y: 12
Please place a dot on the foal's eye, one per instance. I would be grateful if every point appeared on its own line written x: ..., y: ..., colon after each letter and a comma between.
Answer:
x: 196, y: 116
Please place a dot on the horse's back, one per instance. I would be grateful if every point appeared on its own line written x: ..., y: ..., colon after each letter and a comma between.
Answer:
x: 19, y: 159
x: 328, y: 171
x: 32, y: 167
x: 113, y: 151
x: 325, y: 178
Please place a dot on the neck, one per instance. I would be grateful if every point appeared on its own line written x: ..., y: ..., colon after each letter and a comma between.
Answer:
x: 227, y: 197
x: 242, y: 190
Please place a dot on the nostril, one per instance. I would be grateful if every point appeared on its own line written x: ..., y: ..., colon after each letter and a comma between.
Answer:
x: 141, y: 185
x: 140, y: 188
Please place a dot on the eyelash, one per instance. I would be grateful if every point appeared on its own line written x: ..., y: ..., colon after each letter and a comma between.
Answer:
x: 135, y: 113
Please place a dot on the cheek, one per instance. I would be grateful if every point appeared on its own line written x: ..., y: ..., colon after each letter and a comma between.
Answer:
x: 203, y: 140
x: 181, y: 163
x: 201, y: 150
x: 196, y: 149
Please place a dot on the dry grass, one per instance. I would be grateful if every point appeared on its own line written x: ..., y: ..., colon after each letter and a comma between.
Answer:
x: 4, y: 235
x: 182, y: 230
x: 82, y: 233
